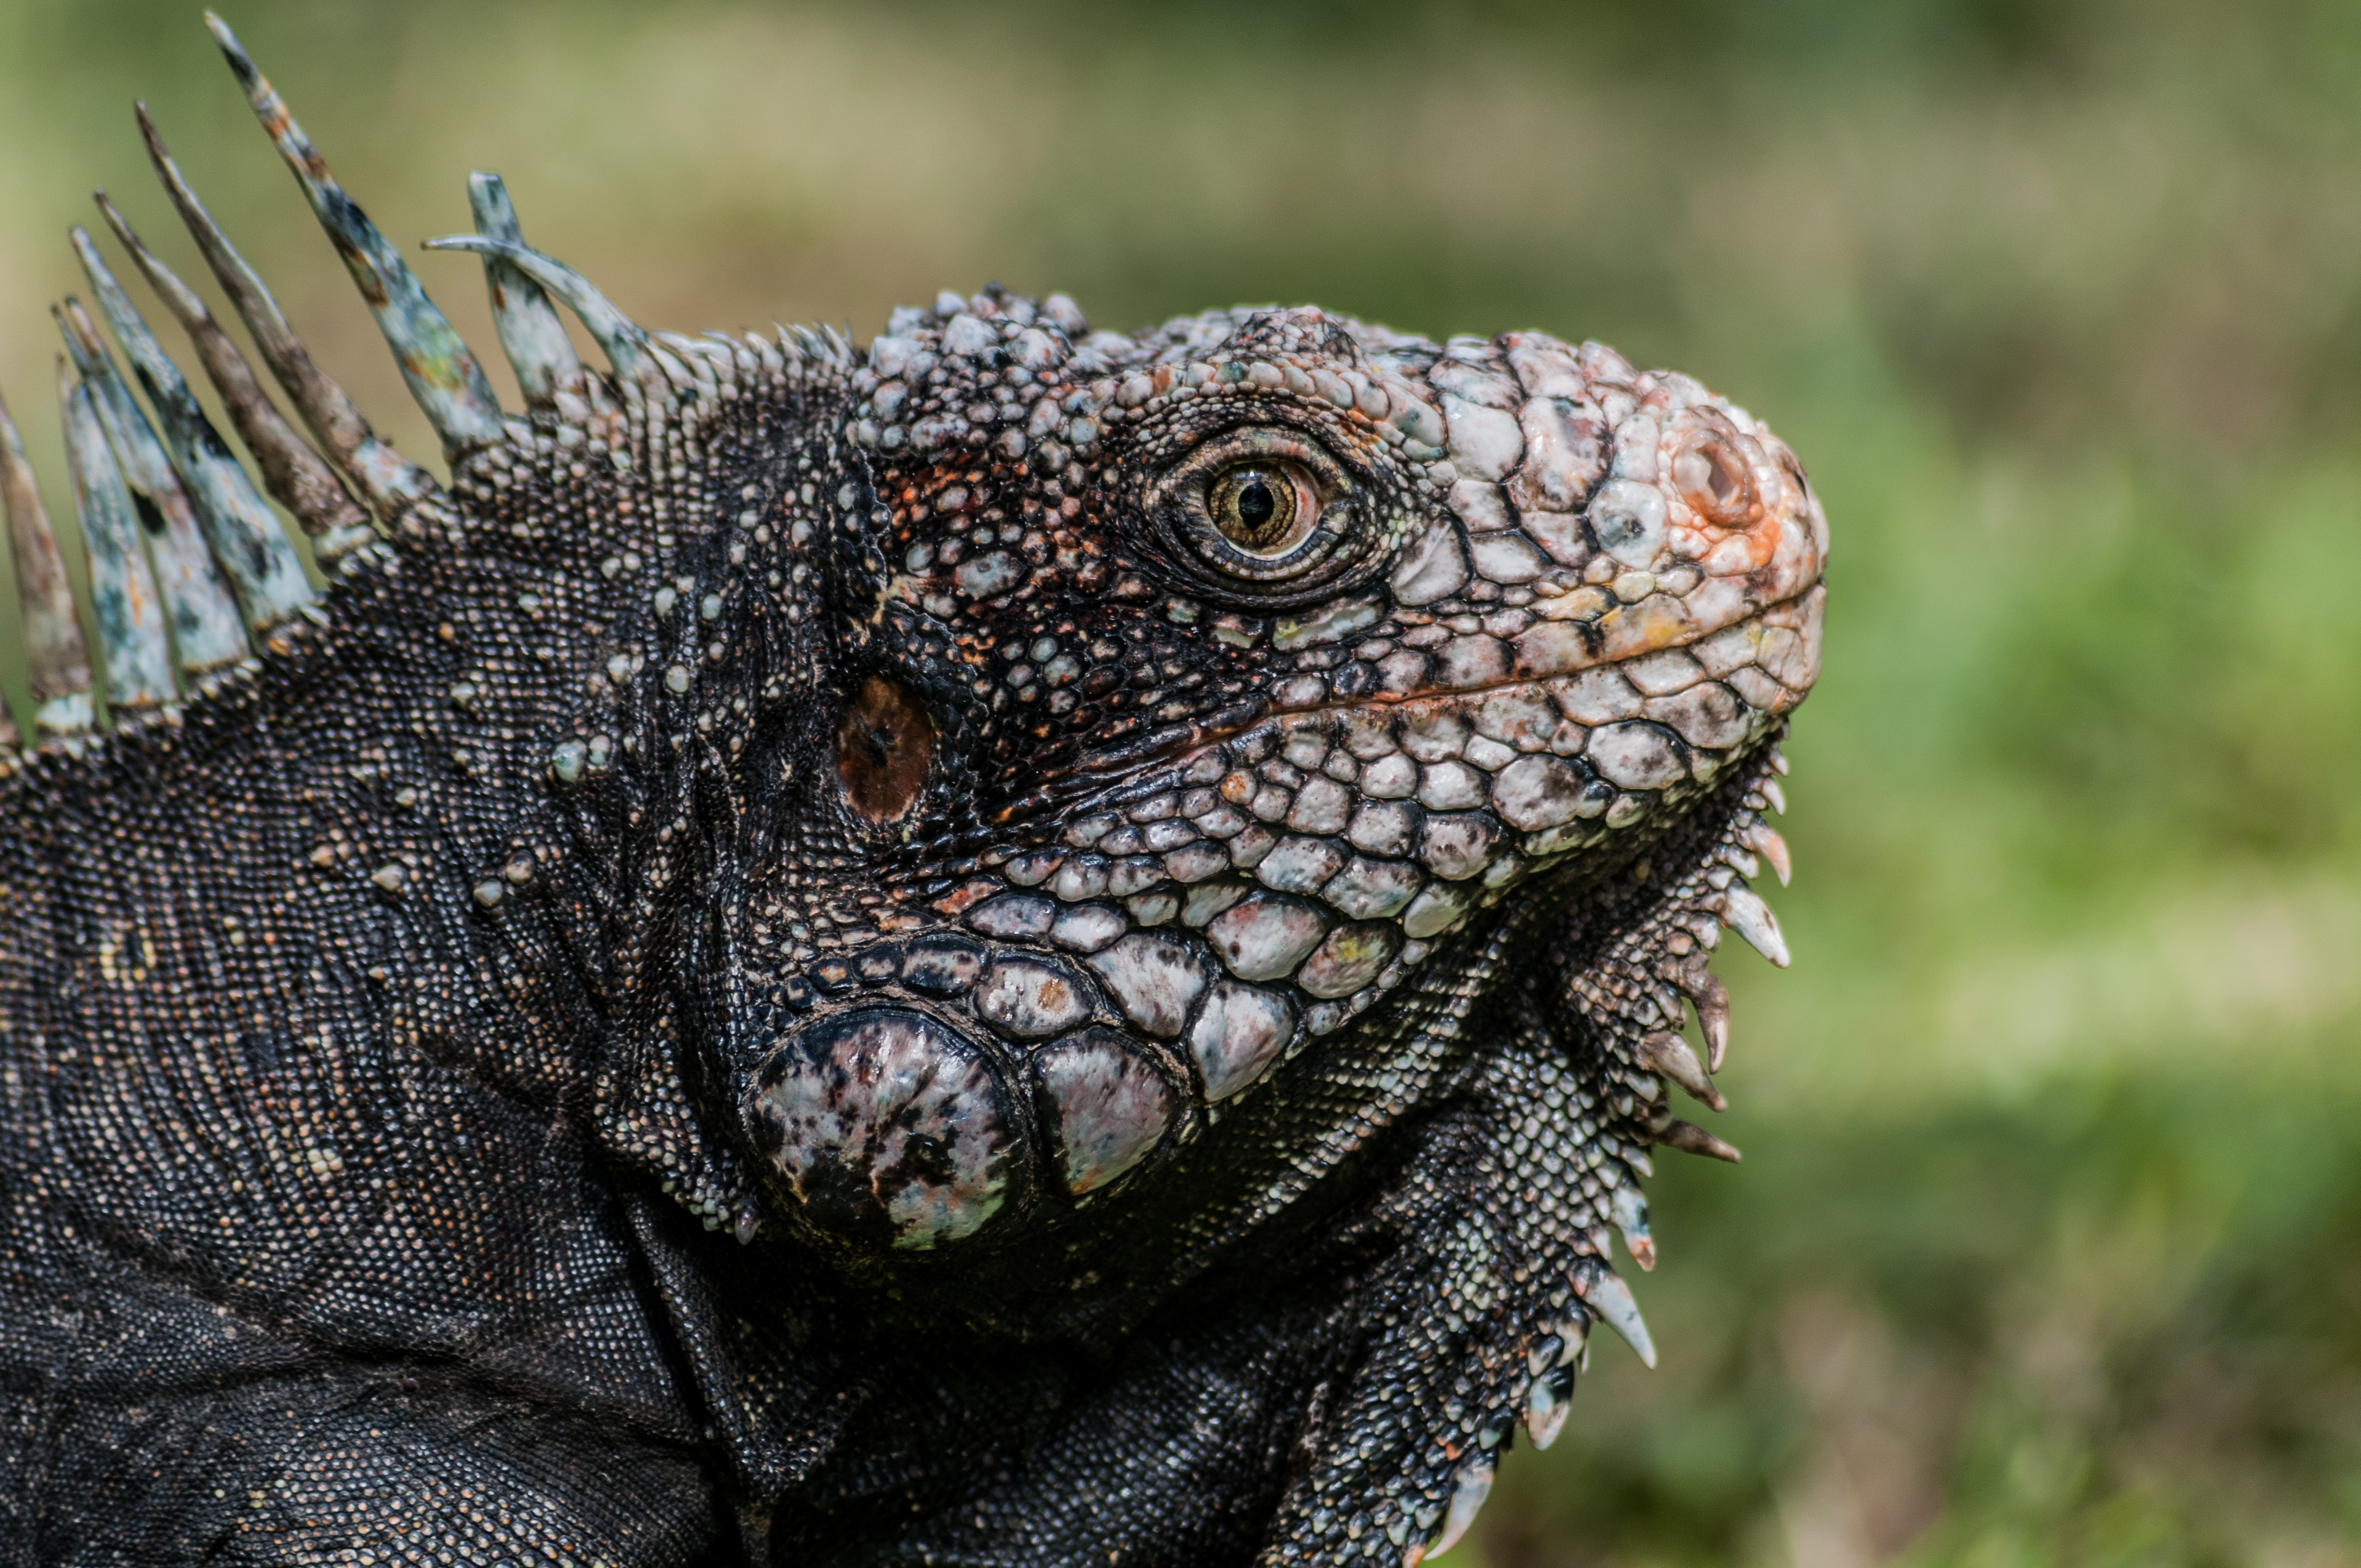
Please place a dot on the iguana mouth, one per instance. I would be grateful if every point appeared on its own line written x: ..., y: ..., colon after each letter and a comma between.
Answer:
x: 1772, y: 652
x: 1775, y: 678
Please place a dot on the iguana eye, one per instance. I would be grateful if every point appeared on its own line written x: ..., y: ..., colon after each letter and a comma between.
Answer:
x: 1264, y: 507
x: 1271, y: 514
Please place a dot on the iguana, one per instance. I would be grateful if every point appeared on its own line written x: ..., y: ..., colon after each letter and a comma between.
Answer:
x: 1017, y: 945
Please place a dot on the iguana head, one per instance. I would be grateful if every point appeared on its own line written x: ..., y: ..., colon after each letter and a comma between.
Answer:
x: 1005, y: 749
x: 1192, y: 690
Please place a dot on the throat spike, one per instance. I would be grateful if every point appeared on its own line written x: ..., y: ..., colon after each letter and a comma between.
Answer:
x: 1772, y: 847
x: 58, y: 659
x: 296, y: 475
x: 1743, y: 911
x: 435, y: 360
x: 1690, y: 1138
x: 1711, y: 999
x: 124, y: 604
x: 1604, y: 1292
x: 1471, y: 1483
x: 387, y: 480
x: 1668, y: 1054
x: 252, y: 550
x: 531, y: 335
x: 1547, y: 1404
x: 204, y: 617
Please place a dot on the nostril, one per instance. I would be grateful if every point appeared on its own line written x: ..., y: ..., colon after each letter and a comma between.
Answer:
x: 1715, y: 478
x: 1725, y: 481
x: 890, y: 1129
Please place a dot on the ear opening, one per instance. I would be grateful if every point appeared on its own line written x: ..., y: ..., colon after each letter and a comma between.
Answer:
x: 885, y: 750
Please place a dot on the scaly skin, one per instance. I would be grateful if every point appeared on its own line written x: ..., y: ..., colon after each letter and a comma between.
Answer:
x: 699, y: 1008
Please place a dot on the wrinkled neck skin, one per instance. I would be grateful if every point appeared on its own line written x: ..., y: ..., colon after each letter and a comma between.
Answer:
x: 442, y: 819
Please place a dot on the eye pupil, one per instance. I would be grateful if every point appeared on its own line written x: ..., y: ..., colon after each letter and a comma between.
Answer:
x: 1256, y: 503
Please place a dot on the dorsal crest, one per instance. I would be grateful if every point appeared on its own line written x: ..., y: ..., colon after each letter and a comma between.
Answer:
x: 193, y: 581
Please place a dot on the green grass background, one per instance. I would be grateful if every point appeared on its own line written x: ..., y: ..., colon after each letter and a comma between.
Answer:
x: 2048, y: 1246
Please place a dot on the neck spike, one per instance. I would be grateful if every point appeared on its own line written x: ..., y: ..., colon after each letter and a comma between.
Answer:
x: 386, y: 480
x: 295, y: 476
x: 435, y: 360
x: 129, y: 615
x: 196, y: 601
x: 531, y: 333
x: 251, y: 548
x: 60, y: 659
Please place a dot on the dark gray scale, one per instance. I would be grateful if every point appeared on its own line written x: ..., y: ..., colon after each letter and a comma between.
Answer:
x: 942, y: 966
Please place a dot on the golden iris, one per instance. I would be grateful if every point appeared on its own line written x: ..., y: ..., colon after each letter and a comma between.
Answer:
x: 1263, y: 508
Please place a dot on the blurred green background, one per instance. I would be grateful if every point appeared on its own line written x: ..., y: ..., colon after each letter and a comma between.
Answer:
x: 2048, y: 1246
